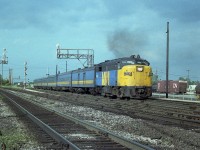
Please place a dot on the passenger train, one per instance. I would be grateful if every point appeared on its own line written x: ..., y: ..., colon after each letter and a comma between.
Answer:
x: 126, y: 77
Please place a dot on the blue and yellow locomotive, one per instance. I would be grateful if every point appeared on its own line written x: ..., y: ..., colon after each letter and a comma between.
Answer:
x: 126, y: 77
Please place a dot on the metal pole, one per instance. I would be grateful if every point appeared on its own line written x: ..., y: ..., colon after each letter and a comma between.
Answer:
x: 25, y: 68
x: 2, y: 74
x: 66, y: 66
x: 11, y: 76
x: 188, y: 78
x: 188, y: 74
x: 56, y: 75
x: 3, y: 61
x: 167, y: 61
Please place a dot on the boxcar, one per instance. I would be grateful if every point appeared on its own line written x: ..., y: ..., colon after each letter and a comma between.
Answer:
x: 173, y: 86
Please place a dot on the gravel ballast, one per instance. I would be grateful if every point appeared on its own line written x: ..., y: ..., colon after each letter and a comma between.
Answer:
x: 13, y: 133
x: 156, y: 135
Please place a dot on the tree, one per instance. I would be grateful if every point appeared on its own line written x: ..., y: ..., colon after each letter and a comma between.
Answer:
x: 155, y: 79
x: 188, y: 80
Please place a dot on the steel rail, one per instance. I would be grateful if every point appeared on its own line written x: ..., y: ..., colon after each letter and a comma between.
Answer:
x: 55, y: 135
x: 173, y: 117
x: 178, y: 118
x: 125, y: 142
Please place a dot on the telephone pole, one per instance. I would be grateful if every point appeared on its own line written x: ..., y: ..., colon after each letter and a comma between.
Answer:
x: 11, y: 76
x: 167, y: 61
x: 188, y: 76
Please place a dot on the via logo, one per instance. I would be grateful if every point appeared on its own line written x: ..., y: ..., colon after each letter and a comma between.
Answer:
x: 175, y: 86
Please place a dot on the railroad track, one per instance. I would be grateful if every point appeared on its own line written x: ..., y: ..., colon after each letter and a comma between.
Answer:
x: 66, y: 132
x: 178, y: 113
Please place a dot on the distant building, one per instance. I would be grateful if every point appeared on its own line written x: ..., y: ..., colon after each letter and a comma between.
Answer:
x: 191, y: 88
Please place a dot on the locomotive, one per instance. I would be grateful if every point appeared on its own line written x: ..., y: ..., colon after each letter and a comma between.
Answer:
x: 126, y: 77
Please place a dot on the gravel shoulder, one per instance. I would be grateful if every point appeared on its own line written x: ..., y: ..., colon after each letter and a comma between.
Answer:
x: 13, y: 133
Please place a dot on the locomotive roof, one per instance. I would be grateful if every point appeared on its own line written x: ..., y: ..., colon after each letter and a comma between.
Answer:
x: 132, y: 58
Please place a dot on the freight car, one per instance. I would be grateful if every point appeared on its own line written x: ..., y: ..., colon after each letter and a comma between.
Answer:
x: 173, y: 86
x: 197, y: 89
x: 126, y: 77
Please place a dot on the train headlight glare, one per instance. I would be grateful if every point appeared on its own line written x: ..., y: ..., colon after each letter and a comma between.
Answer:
x: 140, y: 69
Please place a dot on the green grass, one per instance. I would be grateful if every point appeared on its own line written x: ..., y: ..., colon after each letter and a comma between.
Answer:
x: 14, y: 139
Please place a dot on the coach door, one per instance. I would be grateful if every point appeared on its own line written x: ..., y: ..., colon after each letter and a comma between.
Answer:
x: 78, y: 78
x: 105, y: 76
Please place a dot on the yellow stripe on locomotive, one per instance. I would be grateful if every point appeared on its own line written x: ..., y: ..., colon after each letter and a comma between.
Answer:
x: 105, y: 78
x: 135, y: 75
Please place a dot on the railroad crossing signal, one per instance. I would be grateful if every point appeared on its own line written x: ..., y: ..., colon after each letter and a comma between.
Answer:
x: 25, y: 74
x: 25, y: 68
x: 3, y: 61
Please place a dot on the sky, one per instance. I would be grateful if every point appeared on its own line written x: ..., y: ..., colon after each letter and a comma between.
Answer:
x: 31, y: 29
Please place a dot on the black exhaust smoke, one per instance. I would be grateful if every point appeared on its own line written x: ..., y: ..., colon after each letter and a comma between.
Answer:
x: 125, y: 43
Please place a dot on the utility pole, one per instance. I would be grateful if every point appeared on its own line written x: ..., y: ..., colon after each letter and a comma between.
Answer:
x: 188, y: 76
x: 167, y: 61
x: 25, y: 74
x: 3, y: 61
x: 56, y: 75
x: 11, y: 76
x: 66, y: 66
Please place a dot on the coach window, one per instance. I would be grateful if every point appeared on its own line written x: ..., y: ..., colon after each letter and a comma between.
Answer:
x: 100, y: 68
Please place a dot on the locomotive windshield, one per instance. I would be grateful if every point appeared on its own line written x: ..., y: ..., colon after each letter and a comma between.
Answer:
x: 128, y: 62
x: 142, y: 62
x: 132, y: 62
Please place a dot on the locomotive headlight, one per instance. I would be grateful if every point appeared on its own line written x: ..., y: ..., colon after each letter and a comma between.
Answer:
x: 140, y: 68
